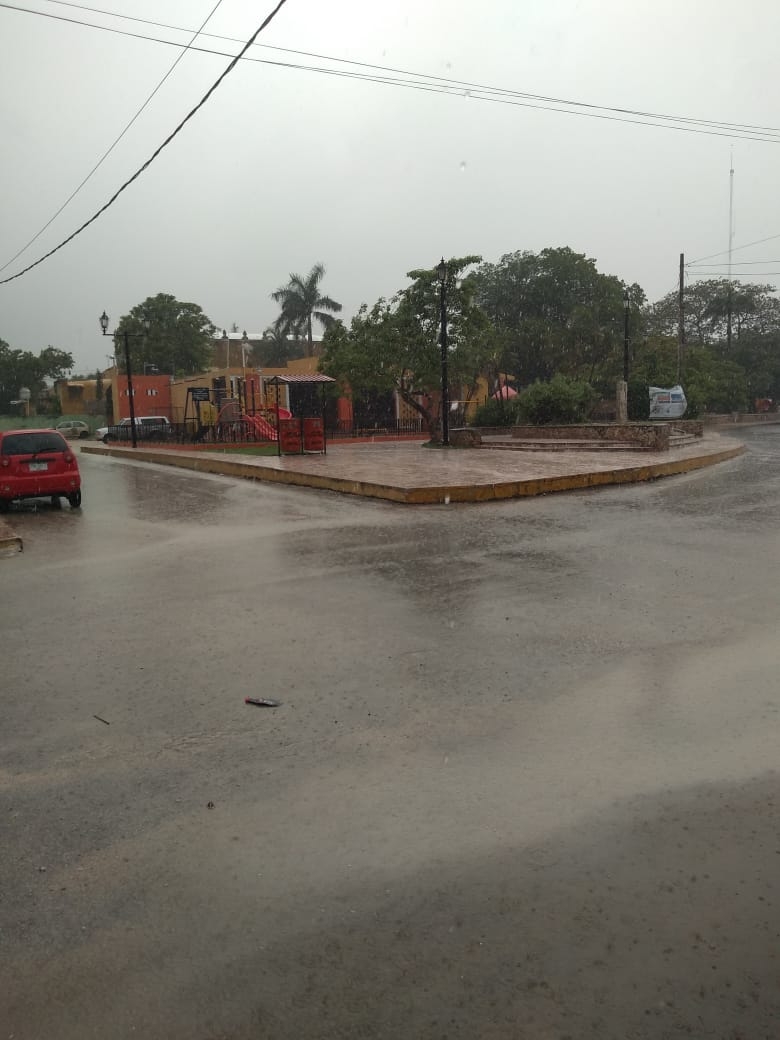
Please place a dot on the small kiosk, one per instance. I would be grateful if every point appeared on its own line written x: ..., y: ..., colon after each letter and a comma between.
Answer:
x: 305, y: 432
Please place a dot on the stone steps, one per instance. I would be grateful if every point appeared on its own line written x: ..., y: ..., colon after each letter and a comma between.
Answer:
x: 516, y: 444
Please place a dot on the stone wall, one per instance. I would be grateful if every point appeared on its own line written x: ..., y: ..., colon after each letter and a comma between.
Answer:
x: 644, y: 435
x: 695, y: 427
x: 654, y: 436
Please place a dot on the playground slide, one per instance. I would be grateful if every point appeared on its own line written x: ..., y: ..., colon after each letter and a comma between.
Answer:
x: 264, y: 430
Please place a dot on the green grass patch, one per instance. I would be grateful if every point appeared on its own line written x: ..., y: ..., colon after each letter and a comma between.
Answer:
x: 260, y: 449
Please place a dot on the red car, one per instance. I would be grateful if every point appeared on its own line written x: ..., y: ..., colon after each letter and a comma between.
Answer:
x: 37, y: 464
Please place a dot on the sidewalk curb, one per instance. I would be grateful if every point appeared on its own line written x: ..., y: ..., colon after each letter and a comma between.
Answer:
x: 10, y: 542
x: 422, y: 495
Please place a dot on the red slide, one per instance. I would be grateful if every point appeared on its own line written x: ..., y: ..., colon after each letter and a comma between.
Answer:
x: 264, y: 430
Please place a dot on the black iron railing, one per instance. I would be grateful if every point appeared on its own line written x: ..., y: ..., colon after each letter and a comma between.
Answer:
x: 391, y: 428
x: 255, y: 430
x: 238, y: 431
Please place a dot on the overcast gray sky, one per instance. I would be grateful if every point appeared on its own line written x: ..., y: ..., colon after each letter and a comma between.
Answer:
x: 283, y: 168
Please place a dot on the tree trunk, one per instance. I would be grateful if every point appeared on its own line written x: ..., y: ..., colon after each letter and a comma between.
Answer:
x: 309, y: 338
x: 428, y: 416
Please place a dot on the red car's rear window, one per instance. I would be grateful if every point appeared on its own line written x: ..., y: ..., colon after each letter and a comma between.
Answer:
x: 32, y: 443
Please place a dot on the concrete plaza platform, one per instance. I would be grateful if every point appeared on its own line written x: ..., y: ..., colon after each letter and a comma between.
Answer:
x: 409, y: 473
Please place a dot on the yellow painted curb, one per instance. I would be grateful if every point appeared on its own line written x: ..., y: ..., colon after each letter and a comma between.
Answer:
x: 10, y: 542
x: 423, y: 495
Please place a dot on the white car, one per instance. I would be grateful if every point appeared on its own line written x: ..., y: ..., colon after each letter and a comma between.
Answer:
x: 148, y: 427
x: 73, y: 428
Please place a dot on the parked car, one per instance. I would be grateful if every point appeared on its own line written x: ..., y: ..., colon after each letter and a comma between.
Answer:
x: 37, y: 464
x: 147, y: 427
x: 73, y: 428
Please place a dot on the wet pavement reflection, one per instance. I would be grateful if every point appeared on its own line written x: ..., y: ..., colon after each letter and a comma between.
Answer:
x: 521, y: 780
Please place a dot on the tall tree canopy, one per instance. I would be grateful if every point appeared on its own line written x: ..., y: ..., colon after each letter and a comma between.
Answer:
x: 179, y: 339
x: 274, y: 349
x: 751, y: 365
x: 557, y: 313
x: 395, y: 345
x: 301, y: 302
x: 22, y: 368
x: 755, y: 311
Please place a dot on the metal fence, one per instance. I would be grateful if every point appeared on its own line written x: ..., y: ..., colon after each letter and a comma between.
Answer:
x: 390, y: 428
x: 238, y: 431
x: 246, y: 431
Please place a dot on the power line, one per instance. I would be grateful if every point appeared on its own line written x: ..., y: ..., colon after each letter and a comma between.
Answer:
x: 723, y: 252
x: 441, y: 79
x: 108, y: 152
x: 442, y: 84
x: 433, y: 84
x: 746, y: 263
x: 269, y: 18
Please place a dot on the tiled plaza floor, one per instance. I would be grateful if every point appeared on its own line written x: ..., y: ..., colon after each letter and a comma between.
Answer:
x: 410, y: 473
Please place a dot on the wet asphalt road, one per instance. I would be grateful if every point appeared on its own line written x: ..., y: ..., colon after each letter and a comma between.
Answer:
x: 522, y: 784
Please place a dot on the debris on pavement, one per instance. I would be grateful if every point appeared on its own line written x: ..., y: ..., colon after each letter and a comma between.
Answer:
x: 261, y: 702
x: 101, y: 720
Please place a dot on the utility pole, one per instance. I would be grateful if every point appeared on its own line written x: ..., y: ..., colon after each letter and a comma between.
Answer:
x: 104, y: 320
x: 130, y: 391
x: 441, y: 270
x: 731, y: 243
x: 621, y: 389
x: 681, y: 318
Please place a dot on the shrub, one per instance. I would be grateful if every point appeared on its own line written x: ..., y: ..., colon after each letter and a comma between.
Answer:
x: 562, y: 400
x: 496, y: 413
x: 638, y: 400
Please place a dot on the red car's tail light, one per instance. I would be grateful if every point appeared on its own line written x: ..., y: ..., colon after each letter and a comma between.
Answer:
x: 5, y: 462
x: 68, y: 457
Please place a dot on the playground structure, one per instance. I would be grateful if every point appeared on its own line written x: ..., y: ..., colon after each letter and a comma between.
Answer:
x: 264, y: 423
x: 211, y: 416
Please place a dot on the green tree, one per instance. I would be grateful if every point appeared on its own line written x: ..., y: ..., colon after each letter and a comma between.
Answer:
x: 301, y: 302
x: 22, y: 368
x: 275, y: 349
x: 755, y: 310
x: 560, y: 401
x: 179, y: 338
x: 558, y: 314
x: 755, y: 337
x: 711, y: 383
x: 395, y: 345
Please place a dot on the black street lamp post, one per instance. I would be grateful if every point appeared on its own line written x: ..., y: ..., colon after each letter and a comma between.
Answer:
x: 626, y: 312
x: 445, y: 386
x: 104, y: 327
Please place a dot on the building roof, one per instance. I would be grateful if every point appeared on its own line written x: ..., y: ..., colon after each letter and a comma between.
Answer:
x: 300, y: 377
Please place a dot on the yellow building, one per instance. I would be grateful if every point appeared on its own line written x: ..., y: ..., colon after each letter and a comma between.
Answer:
x: 238, y: 382
x: 84, y: 396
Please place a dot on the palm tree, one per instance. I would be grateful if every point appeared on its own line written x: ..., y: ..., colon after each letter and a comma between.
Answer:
x: 301, y: 302
x: 274, y: 349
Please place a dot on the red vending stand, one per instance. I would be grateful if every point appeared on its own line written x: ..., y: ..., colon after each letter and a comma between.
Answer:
x: 314, y: 434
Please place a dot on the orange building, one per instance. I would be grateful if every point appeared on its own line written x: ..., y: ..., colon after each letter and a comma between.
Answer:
x: 151, y: 396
